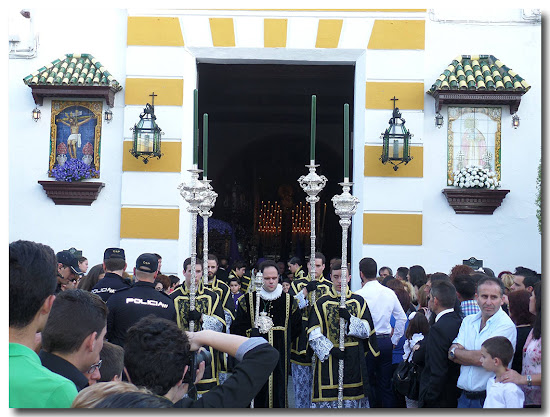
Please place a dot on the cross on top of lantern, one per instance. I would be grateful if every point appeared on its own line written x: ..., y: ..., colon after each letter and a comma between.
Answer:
x: 397, y: 141
x: 147, y: 134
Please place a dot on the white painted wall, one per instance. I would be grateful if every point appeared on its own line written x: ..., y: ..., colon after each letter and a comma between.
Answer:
x: 504, y: 240
x: 509, y: 237
x: 32, y: 215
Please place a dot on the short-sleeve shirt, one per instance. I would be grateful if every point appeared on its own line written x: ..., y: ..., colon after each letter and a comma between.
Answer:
x: 34, y: 386
x: 474, y: 378
x: 503, y: 395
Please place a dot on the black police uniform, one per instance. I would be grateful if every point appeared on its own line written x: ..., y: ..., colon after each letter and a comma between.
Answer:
x: 130, y: 304
x: 108, y: 285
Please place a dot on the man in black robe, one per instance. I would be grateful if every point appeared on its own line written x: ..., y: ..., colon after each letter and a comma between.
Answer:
x: 324, y: 339
x: 208, y: 315
x: 279, y: 322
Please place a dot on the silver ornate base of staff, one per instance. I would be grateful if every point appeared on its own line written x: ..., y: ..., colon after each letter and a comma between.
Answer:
x: 206, y: 204
x: 258, y: 282
x: 345, y: 206
x: 193, y: 193
x: 312, y: 184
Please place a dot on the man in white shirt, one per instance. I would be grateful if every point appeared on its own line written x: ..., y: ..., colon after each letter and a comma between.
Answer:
x: 475, y: 329
x: 383, y: 304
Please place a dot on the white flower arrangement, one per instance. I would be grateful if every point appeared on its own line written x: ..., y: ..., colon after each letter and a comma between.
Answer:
x: 475, y: 177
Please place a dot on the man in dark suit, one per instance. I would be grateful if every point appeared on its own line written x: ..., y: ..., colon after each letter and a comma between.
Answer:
x: 439, y: 376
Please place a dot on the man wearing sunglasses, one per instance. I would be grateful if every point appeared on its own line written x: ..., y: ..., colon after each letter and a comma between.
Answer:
x: 73, y: 336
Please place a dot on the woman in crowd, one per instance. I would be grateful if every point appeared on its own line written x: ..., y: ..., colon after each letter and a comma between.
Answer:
x: 88, y: 282
x: 414, y: 349
x: 523, y: 319
x: 530, y: 378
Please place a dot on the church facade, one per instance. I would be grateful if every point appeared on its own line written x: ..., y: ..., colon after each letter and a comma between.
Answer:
x: 433, y: 62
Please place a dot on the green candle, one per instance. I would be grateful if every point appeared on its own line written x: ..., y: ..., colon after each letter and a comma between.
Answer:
x: 346, y: 140
x: 195, y: 127
x: 313, y: 123
x: 204, y: 144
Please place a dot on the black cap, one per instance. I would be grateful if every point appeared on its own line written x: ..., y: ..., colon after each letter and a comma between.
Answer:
x: 147, y: 262
x: 66, y: 258
x: 113, y: 253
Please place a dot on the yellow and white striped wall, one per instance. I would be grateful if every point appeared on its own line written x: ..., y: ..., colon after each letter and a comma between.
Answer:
x: 162, y: 48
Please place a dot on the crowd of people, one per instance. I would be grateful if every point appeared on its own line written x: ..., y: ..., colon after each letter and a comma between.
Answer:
x: 234, y: 338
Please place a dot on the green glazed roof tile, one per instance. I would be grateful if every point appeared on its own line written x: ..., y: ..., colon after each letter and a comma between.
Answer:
x: 73, y: 70
x: 479, y: 73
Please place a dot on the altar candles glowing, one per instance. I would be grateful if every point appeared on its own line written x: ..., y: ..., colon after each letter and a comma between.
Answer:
x: 204, y: 144
x: 346, y: 140
x: 313, y: 126
x: 195, y: 127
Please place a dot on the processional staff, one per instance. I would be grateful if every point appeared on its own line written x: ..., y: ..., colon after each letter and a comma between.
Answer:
x: 258, y: 283
x: 193, y: 192
x: 345, y: 206
x: 312, y: 184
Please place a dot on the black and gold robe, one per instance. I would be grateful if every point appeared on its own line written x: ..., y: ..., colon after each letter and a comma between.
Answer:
x: 283, y: 310
x: 228, y: 305
x: 300, y: 353
x: 326, y: 318
x: 208, y: 303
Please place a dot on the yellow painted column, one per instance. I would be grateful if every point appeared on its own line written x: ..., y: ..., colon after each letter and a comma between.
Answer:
x: 154, y: 31
x: 275, y: 33
x: 392, y: 229
x: 398, y: 34
x: 223, y: 31
x: 328, y: 33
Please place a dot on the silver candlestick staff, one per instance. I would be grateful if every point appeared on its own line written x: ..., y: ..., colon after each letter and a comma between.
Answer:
x: 193, y: 193
x: 312, y: 184
x: 258, y: 283
x: 345, y: 206
x: 206, y: 204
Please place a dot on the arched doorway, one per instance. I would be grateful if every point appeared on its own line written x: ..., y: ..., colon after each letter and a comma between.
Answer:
x: 259, y: 129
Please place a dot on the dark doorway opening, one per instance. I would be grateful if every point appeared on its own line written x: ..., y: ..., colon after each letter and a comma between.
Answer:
x: 259, y: 144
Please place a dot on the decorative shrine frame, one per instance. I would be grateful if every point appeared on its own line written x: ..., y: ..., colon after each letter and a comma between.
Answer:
x: 75, y: 132
x: 476, y: 133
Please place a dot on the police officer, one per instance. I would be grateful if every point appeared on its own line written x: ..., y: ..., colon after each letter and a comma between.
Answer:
x: 130, y: 304
x: 114, y: 265
x: 67, y: 271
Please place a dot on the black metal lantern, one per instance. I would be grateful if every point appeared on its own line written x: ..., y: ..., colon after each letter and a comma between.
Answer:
x: 36, y: 114
x: 438, y: 120
x: 395, y: 140
x: 147, y: 134
x: 108, y: 115
x: 515, y: 121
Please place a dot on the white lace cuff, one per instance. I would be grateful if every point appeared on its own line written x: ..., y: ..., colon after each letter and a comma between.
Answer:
x: 228, y: 321
x: 211, y: 323
x: 358, y: 328
x: 320, y: 344
x: 302, y: 300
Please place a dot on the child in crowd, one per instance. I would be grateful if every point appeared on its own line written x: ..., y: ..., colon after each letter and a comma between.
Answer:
x: 413, y: 348
x: 286, y: 284
x: 235, y: 287
x: 496, y: 354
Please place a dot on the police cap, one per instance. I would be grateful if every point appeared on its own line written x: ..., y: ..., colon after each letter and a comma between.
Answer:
x: 112, y: 253
x: 147, y: 262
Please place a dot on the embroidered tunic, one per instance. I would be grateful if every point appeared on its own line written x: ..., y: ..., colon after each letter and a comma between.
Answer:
x: 283, y: 310
x: 300, y: 354
x: 324, y: 333
x: 207, y: 302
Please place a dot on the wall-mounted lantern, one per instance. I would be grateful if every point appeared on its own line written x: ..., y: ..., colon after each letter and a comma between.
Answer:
x: 396, y: 147
x: 36, y: 114
x: 147, y: 134
x: 438, y: 120
x: 108, y: 115
x: 515, y: 121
